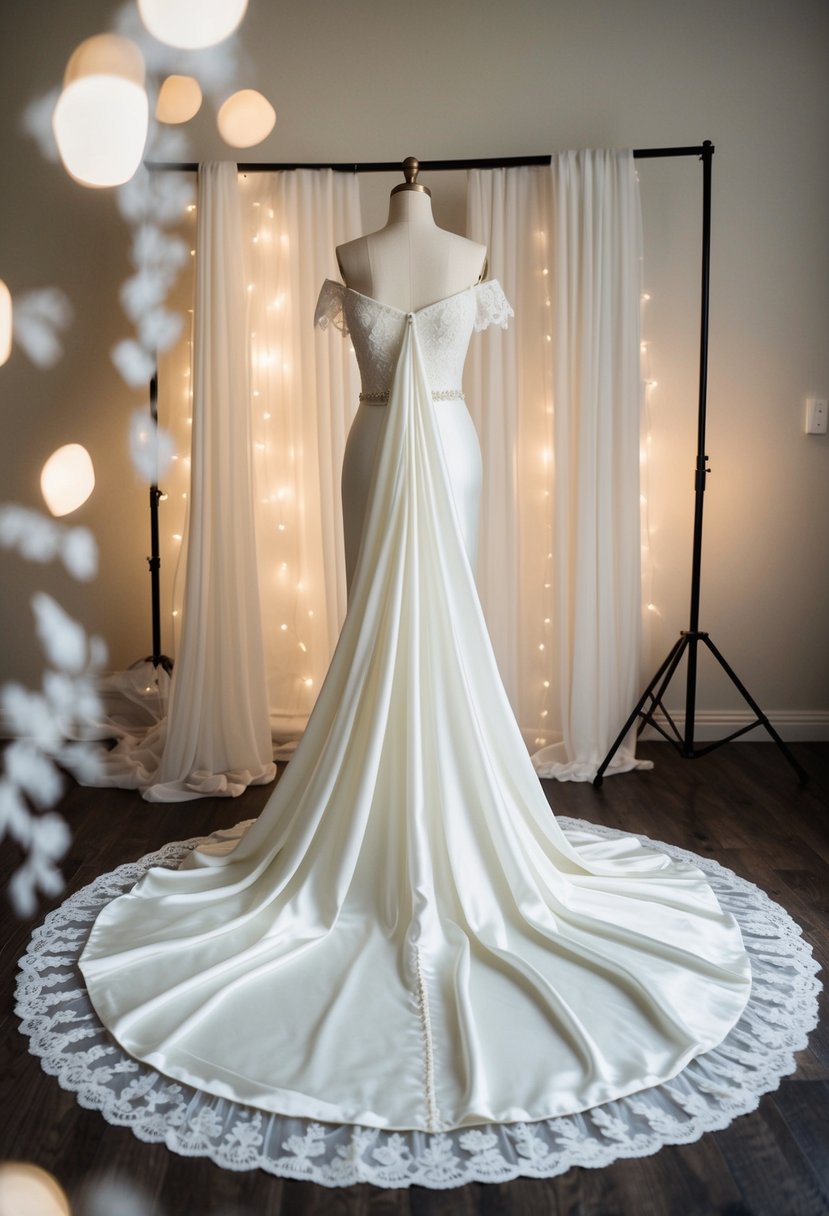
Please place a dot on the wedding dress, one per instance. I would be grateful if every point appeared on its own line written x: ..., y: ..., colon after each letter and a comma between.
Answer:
x: 406, y: 938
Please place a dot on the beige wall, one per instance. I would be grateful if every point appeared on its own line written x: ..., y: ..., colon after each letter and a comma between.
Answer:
x: 443, y: 78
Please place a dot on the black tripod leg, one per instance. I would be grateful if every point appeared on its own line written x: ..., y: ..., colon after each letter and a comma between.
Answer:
x: 671, y: 662
x: 674, y: 659
x: 761, y: 717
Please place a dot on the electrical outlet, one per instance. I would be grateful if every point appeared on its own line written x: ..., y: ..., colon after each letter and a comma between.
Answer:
x: 817, y: 410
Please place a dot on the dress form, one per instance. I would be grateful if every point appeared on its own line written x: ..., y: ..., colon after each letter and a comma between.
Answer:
x: 411, y: 262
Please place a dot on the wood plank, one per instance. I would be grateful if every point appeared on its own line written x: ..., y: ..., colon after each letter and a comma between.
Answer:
x: 769, y: 1166
x: 802, y: 1107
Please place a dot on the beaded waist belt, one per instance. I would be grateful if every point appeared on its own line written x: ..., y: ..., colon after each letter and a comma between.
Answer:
x: 439, y: 394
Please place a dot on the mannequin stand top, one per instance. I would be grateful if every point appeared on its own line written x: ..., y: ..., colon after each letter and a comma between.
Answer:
x: 411, y: 262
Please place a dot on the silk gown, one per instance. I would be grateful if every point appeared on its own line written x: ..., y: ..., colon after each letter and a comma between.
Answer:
x: 406, y: 938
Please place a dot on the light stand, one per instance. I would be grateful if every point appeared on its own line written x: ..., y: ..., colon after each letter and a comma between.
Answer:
x: 691, y: 638
x: 154, y: 560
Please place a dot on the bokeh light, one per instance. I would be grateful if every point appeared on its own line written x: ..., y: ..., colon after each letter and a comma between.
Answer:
x: 67, y: 479
x: 5, y: 322
x: 101, y: 118
x: 27, y: 1190
x: 246, y: 119
x: 191, y: 24
x: 179, y: 99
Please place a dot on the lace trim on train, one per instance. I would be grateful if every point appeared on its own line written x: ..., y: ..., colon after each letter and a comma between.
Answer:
x: 708, y: 1094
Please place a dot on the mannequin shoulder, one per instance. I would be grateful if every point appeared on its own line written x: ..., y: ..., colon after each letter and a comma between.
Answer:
x: 469, y: 257
x: 353, y: 260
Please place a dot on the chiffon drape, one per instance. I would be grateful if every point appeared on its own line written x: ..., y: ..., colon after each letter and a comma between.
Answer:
x: 214, y: 738
x: 251, y: 524
x: 557, y: 403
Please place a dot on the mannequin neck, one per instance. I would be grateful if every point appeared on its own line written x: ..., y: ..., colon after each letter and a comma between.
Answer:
x: 411, y: 207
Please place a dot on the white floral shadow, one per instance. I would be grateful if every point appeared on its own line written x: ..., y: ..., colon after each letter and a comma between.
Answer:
x: 49, y: 725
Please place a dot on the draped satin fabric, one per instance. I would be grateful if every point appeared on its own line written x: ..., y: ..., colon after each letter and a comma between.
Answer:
x: 406, y: 938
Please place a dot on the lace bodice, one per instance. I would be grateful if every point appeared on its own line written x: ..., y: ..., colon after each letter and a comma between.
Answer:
x: 444, y: 330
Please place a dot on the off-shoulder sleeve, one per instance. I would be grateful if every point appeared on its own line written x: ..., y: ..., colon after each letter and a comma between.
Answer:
x: 329, y: 310
x: 491, y: 305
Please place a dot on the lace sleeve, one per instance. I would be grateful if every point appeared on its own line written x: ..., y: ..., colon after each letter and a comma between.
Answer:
x: 491, y: 305
x: 329, y: 310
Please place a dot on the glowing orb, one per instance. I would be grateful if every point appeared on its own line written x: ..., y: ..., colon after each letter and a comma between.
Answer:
x: 179, y: 99
x: 5, y: 322
x: 191, y: 24
x: 67, y: 479
x: 246, y: 118
x: 102, y: 115
x: 28, y: 1189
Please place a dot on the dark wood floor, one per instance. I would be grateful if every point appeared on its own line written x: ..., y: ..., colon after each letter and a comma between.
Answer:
x: 741, y: 804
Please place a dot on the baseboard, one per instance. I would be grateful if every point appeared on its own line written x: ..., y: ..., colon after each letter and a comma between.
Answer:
x: 792, y: 725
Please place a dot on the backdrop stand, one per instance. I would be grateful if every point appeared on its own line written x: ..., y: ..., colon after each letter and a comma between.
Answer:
x: 154, y: 560
x: 691, y: 638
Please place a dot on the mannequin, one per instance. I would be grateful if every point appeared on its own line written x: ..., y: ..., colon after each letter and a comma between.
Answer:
x: 409, y: 264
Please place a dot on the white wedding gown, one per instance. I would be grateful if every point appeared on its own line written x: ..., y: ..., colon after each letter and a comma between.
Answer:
x: 406, y: 938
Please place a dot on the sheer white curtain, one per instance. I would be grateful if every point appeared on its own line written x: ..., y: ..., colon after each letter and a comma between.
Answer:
x: 305, y: 389
x: 303, y: 392
x: 558, y: 403
x: 215, y: 737
x: 218, y: 740
x: 259, y: 405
